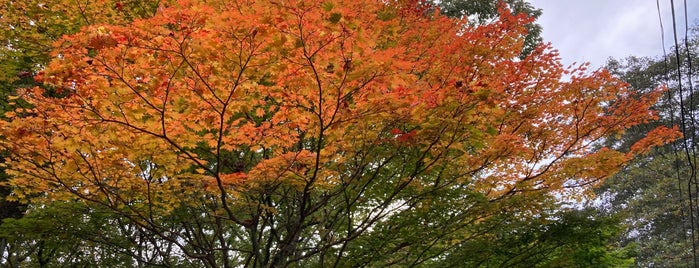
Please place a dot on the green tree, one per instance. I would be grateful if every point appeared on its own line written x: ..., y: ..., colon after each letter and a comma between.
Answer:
x: 556, y: 238
x: 656, y: 195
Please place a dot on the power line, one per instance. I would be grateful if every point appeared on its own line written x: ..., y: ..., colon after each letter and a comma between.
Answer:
x: 690, y: 76
x: 689, y: 151
x: 688, y: 132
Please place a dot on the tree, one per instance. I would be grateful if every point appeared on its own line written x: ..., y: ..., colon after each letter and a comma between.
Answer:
x: 656, y: 195
x: 557, y: 238
x: 300, y: 133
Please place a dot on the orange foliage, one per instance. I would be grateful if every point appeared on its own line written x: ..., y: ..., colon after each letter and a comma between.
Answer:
x: 216, y: 97
x: 659, y: 136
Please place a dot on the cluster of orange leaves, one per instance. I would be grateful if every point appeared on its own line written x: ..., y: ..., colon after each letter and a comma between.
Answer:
x: 148, y: 110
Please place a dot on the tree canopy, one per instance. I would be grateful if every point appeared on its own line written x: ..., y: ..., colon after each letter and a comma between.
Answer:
x: 307, y: 133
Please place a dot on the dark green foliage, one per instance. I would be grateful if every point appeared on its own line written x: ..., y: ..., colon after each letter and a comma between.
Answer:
x: 568, y: 238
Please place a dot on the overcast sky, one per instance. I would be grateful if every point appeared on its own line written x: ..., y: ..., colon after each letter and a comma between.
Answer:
x: 594, y: 30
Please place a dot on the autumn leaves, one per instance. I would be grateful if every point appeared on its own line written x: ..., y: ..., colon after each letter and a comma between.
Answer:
x: 247, y: 109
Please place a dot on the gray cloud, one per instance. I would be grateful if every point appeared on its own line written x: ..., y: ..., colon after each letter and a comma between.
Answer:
x: 595, y: 30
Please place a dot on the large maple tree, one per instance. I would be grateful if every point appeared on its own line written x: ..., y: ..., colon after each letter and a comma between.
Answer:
x: 343, y: 133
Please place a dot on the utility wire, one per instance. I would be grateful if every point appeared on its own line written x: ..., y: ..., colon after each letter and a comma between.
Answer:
x: 675, y: 149
x: 690, y: 76
x: 689, y: 153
